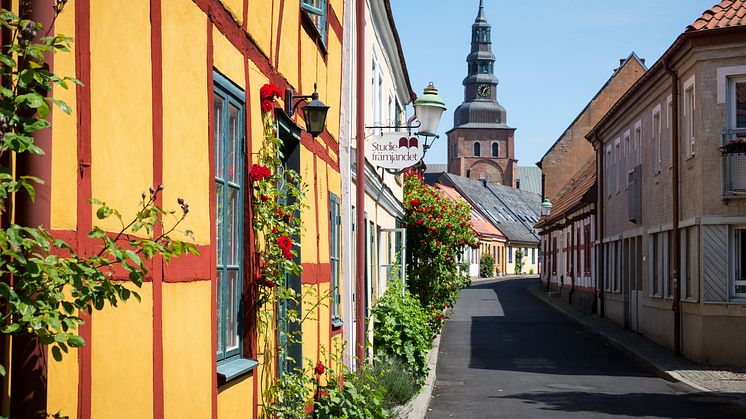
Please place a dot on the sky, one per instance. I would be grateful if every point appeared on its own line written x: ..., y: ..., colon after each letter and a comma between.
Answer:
x: 552, y: 55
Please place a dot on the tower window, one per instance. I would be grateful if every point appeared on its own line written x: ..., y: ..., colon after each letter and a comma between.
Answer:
x: 477, y: 149
x: 468, y: 173
x: 495, y: 149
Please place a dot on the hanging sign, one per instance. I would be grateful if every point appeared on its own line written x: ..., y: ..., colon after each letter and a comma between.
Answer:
x: 394, y: 150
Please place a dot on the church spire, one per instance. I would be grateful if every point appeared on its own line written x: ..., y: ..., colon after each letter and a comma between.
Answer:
x: 480, y: 15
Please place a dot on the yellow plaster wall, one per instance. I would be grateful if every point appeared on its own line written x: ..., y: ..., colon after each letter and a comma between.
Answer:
x: 309, y: 328
x: 323, y: 206
x: 236, y: 400
x: 259, y: 24
x: 186, y: 142
x: 227, y: 59
x: 334, y: 181
x: 235, y: 7
x: 121, y: 100
x: 333, y: 82
x: 187, y: 349
x: 308, y: 215
x: 62, y: 384
x: 288, y: 53
x: 256, y: 81
x: 122, y: 359
x: 325, y: 316
x: 64, y: 134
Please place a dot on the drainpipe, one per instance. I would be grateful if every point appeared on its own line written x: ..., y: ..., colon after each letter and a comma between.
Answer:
x: 675, y: 210
x: 360, y: 183
x: 600, y: 227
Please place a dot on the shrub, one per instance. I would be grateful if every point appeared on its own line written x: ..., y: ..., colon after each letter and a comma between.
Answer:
x: 518, y: 268
x: 531, y: 271
x: 351, y: 395
x: 402, y: 330
x: 397, y: 384
x: 438, y: 230
x: 486, y: 266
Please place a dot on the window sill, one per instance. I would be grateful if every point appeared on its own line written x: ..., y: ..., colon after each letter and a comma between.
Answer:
x: 337, y: 323
x: 230, y: 370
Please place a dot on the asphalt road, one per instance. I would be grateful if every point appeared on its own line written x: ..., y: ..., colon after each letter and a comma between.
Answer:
x: 505, y: 354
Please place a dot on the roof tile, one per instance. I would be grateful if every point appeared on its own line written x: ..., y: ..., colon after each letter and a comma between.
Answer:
x: 724, y: 14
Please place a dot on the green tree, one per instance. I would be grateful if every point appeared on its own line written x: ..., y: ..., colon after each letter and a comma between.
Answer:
x: 518, y: 267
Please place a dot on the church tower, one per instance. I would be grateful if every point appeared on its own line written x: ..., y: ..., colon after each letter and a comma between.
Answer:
x: 480, y: 144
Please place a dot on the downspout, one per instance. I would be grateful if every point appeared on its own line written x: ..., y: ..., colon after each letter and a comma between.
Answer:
x: 360, y: 182
x: 600, y: 227
x: 675, y: 210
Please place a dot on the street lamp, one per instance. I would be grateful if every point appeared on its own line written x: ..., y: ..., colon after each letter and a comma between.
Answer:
x: 546, y: 207
x: 428, y: 109
x: 314, y: 113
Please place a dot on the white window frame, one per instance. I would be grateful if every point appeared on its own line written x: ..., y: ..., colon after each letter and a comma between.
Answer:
x: 607, y: 178
x: 617, y: 165
x: 669, y: 129
x: 637, y: 143
x: 731, y: 100
x: 690, y: 107
x: 625, y: 158
x: 656, y: 132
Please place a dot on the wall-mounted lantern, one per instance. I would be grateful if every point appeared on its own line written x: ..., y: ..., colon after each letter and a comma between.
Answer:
x: 314, y: 113
x: 546, y: 207
x: 428, y: 109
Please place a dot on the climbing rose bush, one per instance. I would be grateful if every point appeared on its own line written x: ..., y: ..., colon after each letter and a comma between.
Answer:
x: 438, y: 229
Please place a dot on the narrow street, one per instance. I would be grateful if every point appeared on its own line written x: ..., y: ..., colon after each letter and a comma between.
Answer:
x: 506, y: 354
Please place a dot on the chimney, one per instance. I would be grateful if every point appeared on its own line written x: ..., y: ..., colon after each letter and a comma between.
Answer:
x: 621, y: 62
x: 642, y: 60
x: 484, y: 182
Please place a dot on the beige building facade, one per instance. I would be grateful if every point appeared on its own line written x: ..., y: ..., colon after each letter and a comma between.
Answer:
x: 691, y: 99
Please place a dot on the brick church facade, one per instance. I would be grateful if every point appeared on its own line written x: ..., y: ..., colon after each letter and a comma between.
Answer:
x: 481, y: 144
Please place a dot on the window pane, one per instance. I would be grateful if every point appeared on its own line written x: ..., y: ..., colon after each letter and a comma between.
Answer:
x: 219, y: 221
x: 233, y: 144
x: 232, y: 226
x: 231, y: 320
x: 741, y: 249
x: 218, y: 135
x: 741, y: 105
x: 220, y: 311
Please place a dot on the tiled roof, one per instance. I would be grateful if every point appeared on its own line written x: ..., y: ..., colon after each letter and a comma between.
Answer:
x: 480, y: 225
x: 512, y: 211
x: 724, y: 14
x: 573, y: 196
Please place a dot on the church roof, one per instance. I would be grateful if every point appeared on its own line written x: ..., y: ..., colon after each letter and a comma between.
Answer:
x: 724, y: 14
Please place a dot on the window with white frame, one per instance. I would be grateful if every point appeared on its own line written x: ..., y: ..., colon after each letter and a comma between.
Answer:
x: 689, y: 108
x: 737, y: 102
x: 739, y: 248
x: 627, y: 163
x: 617, y: 166
x: 607, y: 176
x: 656, y: 131
x: 669, y: 130
x: 637, y: 154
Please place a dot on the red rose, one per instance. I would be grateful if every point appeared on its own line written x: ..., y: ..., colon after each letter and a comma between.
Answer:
x: 323, y: 393
x: 264, y: 197
x: 419, y: 222
x: 274, y: 230
x: 259, y: 172
x: 267, y: 105
x: 320, y: 368
x: 269, y: 91
x: 414, y: 202
x: 287, y: 254
x: 284, y: 243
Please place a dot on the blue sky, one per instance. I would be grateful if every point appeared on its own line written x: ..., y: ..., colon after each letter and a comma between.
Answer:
x: 552, y: 55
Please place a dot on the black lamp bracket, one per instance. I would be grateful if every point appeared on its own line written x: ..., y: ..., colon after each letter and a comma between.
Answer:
x: 292, y: 100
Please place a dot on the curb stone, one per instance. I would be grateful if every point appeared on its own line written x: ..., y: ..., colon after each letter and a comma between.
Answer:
x: 738, y: 404
x: 417, y: 407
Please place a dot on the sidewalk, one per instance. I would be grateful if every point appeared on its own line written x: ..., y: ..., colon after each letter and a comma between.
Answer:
x: 728, y: 383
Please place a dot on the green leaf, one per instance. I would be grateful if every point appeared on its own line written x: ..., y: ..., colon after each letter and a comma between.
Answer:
x: 75, y: 341
x: 31, y: 100
x: 56, y: 353
x: 2, y: 370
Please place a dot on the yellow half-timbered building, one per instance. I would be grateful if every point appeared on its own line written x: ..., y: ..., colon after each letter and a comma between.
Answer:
x: 168, y: 87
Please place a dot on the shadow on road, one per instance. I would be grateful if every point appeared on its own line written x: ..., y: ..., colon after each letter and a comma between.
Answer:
x: 528, y: 336
x: 692, y: 405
